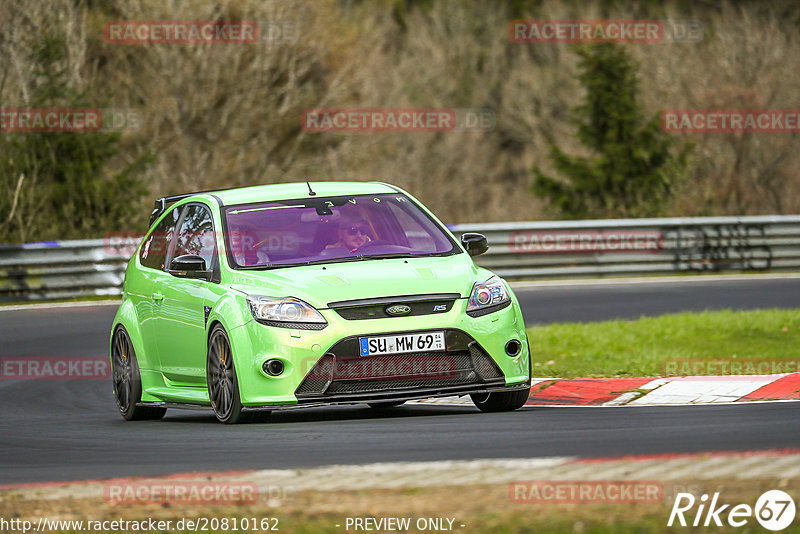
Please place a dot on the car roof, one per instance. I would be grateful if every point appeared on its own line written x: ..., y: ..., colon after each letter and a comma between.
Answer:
x: 289, y: 191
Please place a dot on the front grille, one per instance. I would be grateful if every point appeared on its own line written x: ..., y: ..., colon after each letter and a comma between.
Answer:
x: 342, y: 371
x: 482, y: 363
x: 320, y: 375
x: 356, y: 310
x: 359, y: 386
x: 403, y: 365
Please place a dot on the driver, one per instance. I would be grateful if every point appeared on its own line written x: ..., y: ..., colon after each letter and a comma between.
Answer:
x: 353, y: 233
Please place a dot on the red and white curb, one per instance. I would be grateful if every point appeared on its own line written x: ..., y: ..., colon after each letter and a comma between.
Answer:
x: 653, y: 391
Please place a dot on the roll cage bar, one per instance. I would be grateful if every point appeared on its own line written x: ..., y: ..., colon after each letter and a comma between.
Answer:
x: 160, y: 205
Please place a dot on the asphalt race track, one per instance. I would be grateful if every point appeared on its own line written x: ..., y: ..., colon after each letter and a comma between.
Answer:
x: 69, y: 430
x: 579, y: 302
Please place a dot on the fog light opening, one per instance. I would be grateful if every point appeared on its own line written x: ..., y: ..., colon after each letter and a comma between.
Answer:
x: 273, y: 367
x: 513, y: 347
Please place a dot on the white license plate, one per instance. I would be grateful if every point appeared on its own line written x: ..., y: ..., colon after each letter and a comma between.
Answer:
x: 426, y: 341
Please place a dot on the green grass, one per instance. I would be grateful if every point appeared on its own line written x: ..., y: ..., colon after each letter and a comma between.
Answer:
x: 642, y: 347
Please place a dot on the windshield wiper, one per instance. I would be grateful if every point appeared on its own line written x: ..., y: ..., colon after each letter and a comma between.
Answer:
x: 333, y: 260
x: 360, y: 257
x: 259, y: 267
x: 389, y: 256
x: 341, y: 259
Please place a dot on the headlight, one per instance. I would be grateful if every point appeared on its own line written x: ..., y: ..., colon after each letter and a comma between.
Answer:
x: 488, y: 296
x: 285, y: 312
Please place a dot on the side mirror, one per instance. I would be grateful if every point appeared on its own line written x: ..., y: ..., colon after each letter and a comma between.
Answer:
x: 188, y: 266
x: 476, y: 244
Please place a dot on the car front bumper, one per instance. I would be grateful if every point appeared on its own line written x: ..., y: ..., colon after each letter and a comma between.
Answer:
x: 303, y: 351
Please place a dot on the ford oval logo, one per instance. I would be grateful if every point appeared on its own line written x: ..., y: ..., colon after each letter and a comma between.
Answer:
x: 398, y: 309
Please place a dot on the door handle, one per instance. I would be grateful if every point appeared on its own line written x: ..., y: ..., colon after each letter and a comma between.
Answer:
x: 158, y: 297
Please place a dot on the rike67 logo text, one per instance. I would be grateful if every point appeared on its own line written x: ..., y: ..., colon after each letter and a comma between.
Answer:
x: 774, y: 510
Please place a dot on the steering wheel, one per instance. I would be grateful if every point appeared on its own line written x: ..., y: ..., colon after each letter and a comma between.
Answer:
x: 383, y: 243
x: 370, y: 244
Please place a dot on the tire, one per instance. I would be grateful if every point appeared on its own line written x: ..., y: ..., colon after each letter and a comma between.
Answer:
x: 127, y: 381
x: 223, y: 385
x: 501, y: 401
x: 385, y: 405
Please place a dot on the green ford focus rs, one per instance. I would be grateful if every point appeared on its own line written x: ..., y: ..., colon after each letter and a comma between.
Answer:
x: 261, y: 298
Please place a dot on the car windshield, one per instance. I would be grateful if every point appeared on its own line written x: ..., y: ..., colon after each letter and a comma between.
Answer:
x: 330, y: 230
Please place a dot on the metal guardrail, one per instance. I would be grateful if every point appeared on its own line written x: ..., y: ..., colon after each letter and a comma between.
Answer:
x: 527, y: 250
x: 61, y: 269
x: 621, y: 247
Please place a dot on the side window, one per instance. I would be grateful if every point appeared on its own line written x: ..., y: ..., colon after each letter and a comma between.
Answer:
x: 154, y: 250
x: 196, y: 234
